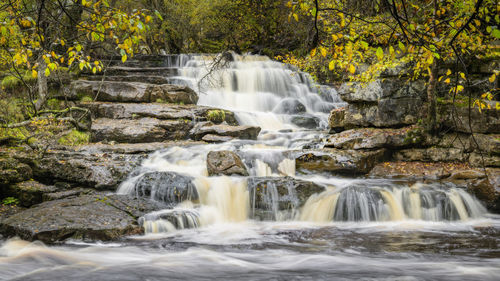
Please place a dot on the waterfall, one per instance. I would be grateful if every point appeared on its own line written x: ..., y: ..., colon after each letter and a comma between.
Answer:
x: 293, y: 111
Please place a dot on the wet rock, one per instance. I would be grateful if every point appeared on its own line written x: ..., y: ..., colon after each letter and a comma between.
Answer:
x: 178, y: 218
x: 66, y: 193
x: 339, y: 161
x: 486, y: 122
x: 241, y: 132
x: 357, y: 92
x: 369, y: 138
x: 88, y: 217
x: 290, y: 106
x: 167, y: 187
x: 216, y: 138
x: 271, y: 195
x: 30, y: 193
x: 113, y: 91
x: 139, y: 130
x: 306, y: 121
x: 484, y: 191
x: 336, y: 120
x: 433, y: 154
x: 225, y: 162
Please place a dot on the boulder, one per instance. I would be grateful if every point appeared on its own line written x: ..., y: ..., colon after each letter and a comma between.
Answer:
x: 369, y: 138
x: 339, y: 161
x: 139, y: 130
x: 290, y: 106
x: 173, y: 94
x: 488, y: 160
x: 216, y: 138
x: 241, y: 132
x: 307, y: 121
x: 30, y: 192
x: 225, y: 162
x: 88, y: 217
x: 273, y: 196
x: 484, y: 191
x: 167, y: 187
x: 336, y: 120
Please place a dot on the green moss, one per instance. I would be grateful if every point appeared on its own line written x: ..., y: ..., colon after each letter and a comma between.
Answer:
x: 75, y: 138
x: 11, y: 82
x: 55, y: 104
x: 216, y: 116
x: 10, y: 201
x: 86, y: 99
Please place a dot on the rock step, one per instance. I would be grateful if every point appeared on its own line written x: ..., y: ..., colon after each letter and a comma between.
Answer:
x: 146, y: 71
x: 131, y: 92
x: 142, y: 130
x: 150, y: 79
x: 156, y: 110
x: 146, y: 130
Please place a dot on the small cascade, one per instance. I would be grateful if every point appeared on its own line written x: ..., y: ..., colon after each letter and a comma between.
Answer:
x: 392, y: 203
x: 170, y: 220
x: 259, y: 91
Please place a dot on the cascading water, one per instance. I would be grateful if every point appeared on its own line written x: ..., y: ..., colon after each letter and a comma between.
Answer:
x: 273, y: 96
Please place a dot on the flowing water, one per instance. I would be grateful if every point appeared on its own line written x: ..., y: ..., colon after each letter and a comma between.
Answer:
x: 231, y: 228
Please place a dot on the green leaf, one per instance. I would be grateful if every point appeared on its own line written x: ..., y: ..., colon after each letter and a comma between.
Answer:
x: 158, y: 15
x: 401, y: 46
x: 47, y: 72
x: 496, y: 33
x: 380, y: 53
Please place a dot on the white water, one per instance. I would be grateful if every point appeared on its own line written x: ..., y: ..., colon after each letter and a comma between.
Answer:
x: 254, y: 87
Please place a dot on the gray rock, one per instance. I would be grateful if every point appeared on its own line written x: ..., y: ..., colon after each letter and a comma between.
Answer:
x: 339, y: 161
x: 336, y: 119
x: 167, y: 187
x: 387, y: 113
x: 272, y: 196
x: 241, y: 132
x: 12, y: 171
x: 113, y: 91
x: 153, y: 110
x: 88, y: 217
x: 432, y: 154
x: 369, y: 138
x: 216, y: 138
x: 306, y: 121
x: 290, y: 106
x: 225, y: 162
x: 357, y: 92
x: 476, y: 160
x: 486, y: 122
x: 139, y: 130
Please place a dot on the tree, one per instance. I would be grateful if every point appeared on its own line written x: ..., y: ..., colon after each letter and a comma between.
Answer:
x: 42, y: 37
x: 422, y: 35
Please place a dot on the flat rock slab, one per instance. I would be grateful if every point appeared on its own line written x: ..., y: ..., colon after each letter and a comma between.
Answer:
x: 88, y: 217
x: 225, y: 162
x: 154, y: 110
x: 129, y: 148
x: 30, y: 192
x: 114, y: 91
x: 432, y: 154
x: 369, y: 138
x: 338, y: 161
x: 141, y: 130
x: 241, y: 132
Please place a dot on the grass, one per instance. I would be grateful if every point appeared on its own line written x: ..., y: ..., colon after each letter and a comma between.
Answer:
x: 74, y: 138
x: 216, y: 116
x: 10, y: 201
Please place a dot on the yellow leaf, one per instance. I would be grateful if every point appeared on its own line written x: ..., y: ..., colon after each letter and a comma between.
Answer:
x: 313, y: 52
x: 124, y: 58
x: 352, y: 69
x: 497, y: 106
x: 462, y: 75
x: 331, y: 65
x: 447, y: 81
x: 47, y: 72
x: 448, y: 72
x: 296, y: 17
x: 460, y: 88
x: 323, y: 51
x: 492, y: 78
x: 34, y: 73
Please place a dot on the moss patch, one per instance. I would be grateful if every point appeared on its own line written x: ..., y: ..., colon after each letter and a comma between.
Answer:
x: 74, y: 138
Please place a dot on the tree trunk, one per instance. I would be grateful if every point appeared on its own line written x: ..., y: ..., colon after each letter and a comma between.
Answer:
x: 42, y: 85
x: 431, y: 99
